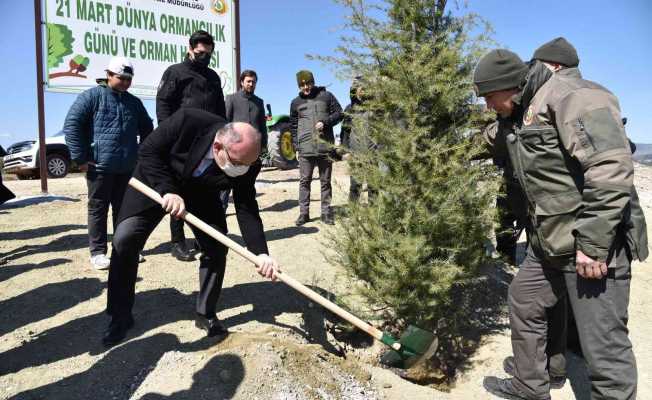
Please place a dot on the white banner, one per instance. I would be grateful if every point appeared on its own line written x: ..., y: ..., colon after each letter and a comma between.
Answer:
x: 83, y: 35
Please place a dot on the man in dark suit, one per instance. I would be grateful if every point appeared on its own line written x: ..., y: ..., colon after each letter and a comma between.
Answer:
x: 190, y: 157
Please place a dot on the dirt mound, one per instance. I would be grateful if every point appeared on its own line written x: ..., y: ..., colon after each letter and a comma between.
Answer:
x: 257, y: 366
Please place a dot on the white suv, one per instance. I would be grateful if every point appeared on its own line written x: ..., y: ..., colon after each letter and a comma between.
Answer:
x: 22, y: 158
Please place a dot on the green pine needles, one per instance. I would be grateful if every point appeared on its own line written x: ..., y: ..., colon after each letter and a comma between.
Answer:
x: 422, y: 235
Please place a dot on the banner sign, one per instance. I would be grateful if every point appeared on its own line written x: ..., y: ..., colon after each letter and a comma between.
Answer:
x: 83, y: 35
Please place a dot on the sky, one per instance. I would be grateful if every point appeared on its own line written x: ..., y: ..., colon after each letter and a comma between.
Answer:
x: 613, y: 40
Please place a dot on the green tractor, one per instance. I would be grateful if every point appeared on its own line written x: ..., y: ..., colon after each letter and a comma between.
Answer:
x: 280, y: 149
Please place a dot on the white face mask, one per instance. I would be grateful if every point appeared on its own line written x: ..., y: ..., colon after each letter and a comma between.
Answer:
x: 234, y: 170
x: 229, y: 168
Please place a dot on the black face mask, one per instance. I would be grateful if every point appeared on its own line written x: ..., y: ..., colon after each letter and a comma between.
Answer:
x: 202, y: 59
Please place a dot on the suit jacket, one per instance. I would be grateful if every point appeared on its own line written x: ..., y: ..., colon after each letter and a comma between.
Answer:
x: 166, y: 161
x: 242, y: 107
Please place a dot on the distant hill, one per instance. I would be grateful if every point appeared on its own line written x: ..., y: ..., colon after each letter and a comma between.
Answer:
x: 643, y: 153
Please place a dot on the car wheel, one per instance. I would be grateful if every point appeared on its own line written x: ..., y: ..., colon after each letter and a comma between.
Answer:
x: 281, y: 149
x: 57, y: 166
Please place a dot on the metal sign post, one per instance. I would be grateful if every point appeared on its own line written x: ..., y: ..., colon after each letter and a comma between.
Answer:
x: 42, y: 160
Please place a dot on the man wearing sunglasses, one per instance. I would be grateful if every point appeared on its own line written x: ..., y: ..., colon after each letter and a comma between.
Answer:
x: 102, y: 129
x: 188, y: 160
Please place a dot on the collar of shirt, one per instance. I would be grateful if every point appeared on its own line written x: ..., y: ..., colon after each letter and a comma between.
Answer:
x: 205, y: 163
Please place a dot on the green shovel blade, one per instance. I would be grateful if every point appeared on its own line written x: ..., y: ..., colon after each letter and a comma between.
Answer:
x: 416, y: 344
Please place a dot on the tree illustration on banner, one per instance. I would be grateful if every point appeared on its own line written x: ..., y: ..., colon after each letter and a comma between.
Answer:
x: 226, y: 80
x: 59, y: 46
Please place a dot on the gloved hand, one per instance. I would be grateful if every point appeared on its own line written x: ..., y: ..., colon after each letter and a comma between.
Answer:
x: 268, y: 267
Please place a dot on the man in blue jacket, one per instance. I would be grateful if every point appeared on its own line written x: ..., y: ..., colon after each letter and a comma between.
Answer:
x: 102, y: 129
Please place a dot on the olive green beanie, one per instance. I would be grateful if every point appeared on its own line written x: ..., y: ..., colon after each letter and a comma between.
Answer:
x: 305, y: 76
x: 498, y: 70
x: 558, y: 51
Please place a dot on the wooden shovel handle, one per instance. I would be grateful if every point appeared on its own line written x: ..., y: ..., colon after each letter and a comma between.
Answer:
x: 284, y: 277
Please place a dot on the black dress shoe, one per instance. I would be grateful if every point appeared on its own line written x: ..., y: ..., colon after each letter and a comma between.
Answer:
x: 117, y: 330
x: 302, y: 220
x: 556, y: 381
x: 212, y: 326
x: 504, y: 389
x: 181, y: 252
x: 328, y: 219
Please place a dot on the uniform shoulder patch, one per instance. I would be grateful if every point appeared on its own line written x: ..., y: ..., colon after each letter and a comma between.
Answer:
x: 529, y: 116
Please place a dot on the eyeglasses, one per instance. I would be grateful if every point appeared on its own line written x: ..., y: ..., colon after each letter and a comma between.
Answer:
x: 231, y: 160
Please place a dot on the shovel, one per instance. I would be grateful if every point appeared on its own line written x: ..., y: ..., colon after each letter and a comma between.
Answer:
x: 415, y: 345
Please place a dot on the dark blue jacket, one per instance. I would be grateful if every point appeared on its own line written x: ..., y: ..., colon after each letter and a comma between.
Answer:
x: 102, y: 127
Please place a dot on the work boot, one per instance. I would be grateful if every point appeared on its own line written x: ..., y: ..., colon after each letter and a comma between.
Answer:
x: 302, y: 220
x: 328, y: 219
x: 117, y: 330
x: 181, y: 252
x: 504, y: 389
x: 556, y: 381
